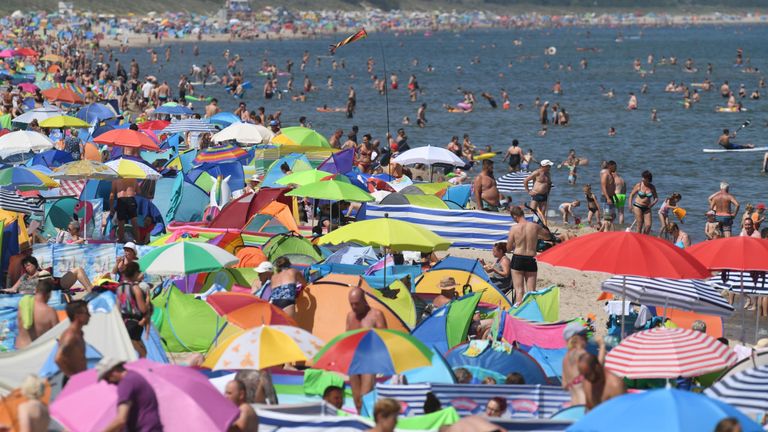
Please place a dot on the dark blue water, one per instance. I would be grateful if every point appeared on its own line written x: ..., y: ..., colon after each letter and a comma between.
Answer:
x: 671, y: 148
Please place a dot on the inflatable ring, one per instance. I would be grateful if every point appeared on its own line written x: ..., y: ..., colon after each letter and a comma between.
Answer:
x: 551, y: 51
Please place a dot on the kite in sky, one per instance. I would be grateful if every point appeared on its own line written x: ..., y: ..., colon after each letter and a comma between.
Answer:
x: 355, y: 37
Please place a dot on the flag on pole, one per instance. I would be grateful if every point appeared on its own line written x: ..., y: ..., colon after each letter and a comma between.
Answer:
x: 353, y: 38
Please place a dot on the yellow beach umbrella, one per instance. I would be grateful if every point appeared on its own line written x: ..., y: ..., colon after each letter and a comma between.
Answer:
x: 130, y: 169
x: 64, y: 121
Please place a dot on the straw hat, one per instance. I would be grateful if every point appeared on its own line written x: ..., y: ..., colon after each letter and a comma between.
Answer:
x: 447, y: 283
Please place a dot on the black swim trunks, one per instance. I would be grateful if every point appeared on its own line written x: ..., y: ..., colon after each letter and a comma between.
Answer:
x: 514, y: 160
x: 540, y: 197
x: 524, y: 263
x: 126, y: 209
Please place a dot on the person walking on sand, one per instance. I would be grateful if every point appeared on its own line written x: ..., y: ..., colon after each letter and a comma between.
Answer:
x: 726, y: 207
x: 643, y: 197
x: 362, y: 316
x: 542, y: 183
x: 522, y: 241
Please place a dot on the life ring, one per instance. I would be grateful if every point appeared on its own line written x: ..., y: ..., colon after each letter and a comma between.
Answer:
x: 551, y: 51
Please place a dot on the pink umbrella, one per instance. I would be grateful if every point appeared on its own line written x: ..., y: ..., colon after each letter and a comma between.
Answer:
x: 187, y: 401
x: 6, y: 53
x: 28, y: 87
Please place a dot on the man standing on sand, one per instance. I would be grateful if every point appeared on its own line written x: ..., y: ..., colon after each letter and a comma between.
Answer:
x: 599, y: 385
x: 515, y: 155
x: 486, y: 193
x: 362, y: 316
x: 248, y: 421
x: 608, y: 188
x: 725, y: 206
x: 70, y: 358
x: 522, y: 241
x: 542, y: 183
x: 122, y: 200
x: 621, y: 195
x: 44, y: 317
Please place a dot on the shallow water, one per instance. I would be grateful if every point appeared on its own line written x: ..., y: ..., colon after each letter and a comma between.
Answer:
x: 671, y: 148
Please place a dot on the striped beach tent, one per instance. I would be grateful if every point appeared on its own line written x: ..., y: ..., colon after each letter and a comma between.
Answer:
x: 669, y: 353
x: 686, y: 294
x: 756, y: 283
x: 746, y: 390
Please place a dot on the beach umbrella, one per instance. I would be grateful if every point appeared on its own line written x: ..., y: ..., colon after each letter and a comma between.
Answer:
x: 22, y: 178
x: 28, y: 87
x: 244, y: 133
x: 226, y: 152
x: 127, y: 138
x: 183, y: 258
x: 25, y: 52
x: 186, y: 400
x: 661, y: 410
x: 247, y: 311
x: 512, y: 182
x: 172, y: 108
x: 428, y: 155
x: 189, y: 125
x: 373, y: 351
x: 6, y: 53
x: 332, y: 190
x: 52, y: 158
x: 38, y: 114
x: 64, y: 121
x: 23, y: 142
x: 58, y: 94
x: 669, y: 353
x: 300, y: 136
x: 155, y: 125
x: 95, y: 112
x: 687, y: 294
x: 393, y: 234
x: 743, y: 282
x: 131, y: 169
x: 54, y: 58
x: 84, y: 169
x: 302, y: 178
x: 10, y: 200
x: 224, y: 119
x: 746, y: 390
x: 262, y: 347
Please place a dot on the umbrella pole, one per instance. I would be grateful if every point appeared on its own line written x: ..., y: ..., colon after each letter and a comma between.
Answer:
x: 757, y: 316
x: 623, y: 304
x: 743, y: 311
x: 664, y: 318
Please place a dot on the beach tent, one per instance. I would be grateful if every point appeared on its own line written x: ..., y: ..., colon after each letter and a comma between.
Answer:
x: 249, y: 256
x: 353, y: 255
x: 430, y: 284
x: 458, y: 195
x: 178, y: 200
x: 237, y: 212
x: 263, y: 223
x: 428, y: 201
x: 438, y: 372
x: 229, y: 277
x: 58, y: 214
x: 296, y: 162
x: 466, y: 264
x: 280, y: 215
x: 447, y: 326
x: 233, y: 170
x: 322, y: 307
x: 396, y: 297
x: 484, y: 360
x: 292, y: 246
x: 541, y: 306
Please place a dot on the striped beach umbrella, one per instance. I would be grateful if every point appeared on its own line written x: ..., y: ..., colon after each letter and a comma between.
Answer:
x: 686, y: 294
x: 12, y: 201
x: 227, y: 152
x: 262, y: 347
x: 512, y: 182
x: 189, y: 125
x: 131, y: 169
x: 746, y: 390
x: 746, y: 282
x: 373, y: 351
x: 669, y: 353
x: 183, y: 258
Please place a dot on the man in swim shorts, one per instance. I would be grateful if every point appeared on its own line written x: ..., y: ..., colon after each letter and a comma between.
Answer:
x: 123, y: 203
x: 726, y: 207
x: 523, y: 239
x: 608, y: 188
x: 725, y: 141
x: 515, y: 155
x: 542, y: 183
x: 486, y: 192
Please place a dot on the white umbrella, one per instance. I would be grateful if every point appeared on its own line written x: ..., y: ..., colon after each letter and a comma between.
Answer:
x: 244, y: 133
x: 23, y: 142
x: 428, y: 156
x: 38, y: 114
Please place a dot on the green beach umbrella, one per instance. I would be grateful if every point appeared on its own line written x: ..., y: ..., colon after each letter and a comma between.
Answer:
x: 303, y: 178
x: 331, y: 190
x: 300, y: 136
x: 183, y: 258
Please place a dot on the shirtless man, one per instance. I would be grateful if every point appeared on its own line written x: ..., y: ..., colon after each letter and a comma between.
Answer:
x: 362, y: 316
x: 44, y: 318
x: 486, y: 193
x: 599, y: 385
x: 335, y: 139
x: 515, y: 155
x: 542, y: 183
x: 421, y: 115
x: 725, y: 206
x: 212, y: 108
x: 122, y: 201
x: 163, y: 92
x: 71, y: 354
x: 522, y: 241
x: 725, y: 141
x: 621, y: 194
x: 248, y: 421
x: 608, y: 188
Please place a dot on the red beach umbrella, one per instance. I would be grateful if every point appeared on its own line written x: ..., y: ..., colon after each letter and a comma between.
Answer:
x: 62, y: 95
x: 732, y: 253
x: 127, y: 138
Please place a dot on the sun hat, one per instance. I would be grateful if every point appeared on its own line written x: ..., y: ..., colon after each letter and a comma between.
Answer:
x: 447, y: 283
x: 264, y: 267
x: 105, y: 365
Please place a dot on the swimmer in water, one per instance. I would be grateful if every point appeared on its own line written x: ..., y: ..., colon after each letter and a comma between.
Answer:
x: 612, y: 131
x: 632, y: 103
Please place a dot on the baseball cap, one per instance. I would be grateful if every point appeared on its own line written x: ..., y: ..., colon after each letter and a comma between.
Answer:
x: 546, y: 162
x: 761, y: 206
x: 264, y: 267
x: 573, y: 329
x: 131, y: 246
x: 273, y: 123
x: 105, y: 365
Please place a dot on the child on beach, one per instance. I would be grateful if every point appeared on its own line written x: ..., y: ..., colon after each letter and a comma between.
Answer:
x: 670, y: 204
x: 527, y: 160
x: 566, y: 209
x: 712, y: 228
x: 593, y: 208
x: 607, y: 224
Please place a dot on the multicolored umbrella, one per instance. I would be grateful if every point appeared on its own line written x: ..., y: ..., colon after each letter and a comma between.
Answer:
x: 332, y: 190
x: 127, y: 138
x: 247, y: 311
x: 302, y: 178
x: 669, y: 353
x: 23, y: 142
x: 226, y: 152
x: 300, y: 136
x: 373, y: 351
x: 187, y: 401
x: 63, y: 121
x: 84, y: 169
x: 131, y: 169
x: 389, y: 233
x: 184, y: 258
x: 263, y: 347
x: 22, y: 178
x: 244, y: 133
x: 65, y: 95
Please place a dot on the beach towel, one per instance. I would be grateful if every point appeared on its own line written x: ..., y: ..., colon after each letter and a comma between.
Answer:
x: 27, y: 311
x: 316, y: 381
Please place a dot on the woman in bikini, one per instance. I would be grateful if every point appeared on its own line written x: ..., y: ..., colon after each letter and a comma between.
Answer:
x: 593, y: 208
x: 643, y: 197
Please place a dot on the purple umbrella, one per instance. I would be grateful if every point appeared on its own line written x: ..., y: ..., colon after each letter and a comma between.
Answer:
x: 186, y: 399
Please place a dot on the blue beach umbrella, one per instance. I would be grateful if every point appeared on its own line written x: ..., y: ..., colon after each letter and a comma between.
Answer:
x: 95, y: 112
